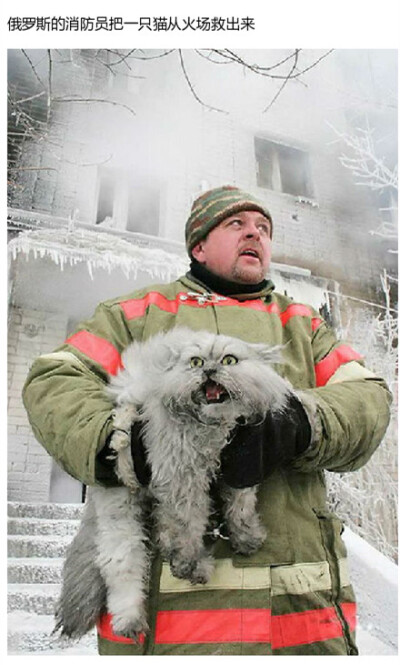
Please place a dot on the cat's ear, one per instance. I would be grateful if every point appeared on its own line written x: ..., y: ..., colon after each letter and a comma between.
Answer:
x: 169, y: 347
x: 166, y: 355
x: 269, y: 354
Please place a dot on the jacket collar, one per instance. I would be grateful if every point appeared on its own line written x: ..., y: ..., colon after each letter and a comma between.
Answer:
x: 224, y: 287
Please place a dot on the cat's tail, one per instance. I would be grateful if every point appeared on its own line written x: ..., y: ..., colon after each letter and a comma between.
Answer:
x: 83, y: 595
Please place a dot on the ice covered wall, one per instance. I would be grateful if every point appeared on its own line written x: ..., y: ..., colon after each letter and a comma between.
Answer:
x: 30, y: 333
x: 98, y: 250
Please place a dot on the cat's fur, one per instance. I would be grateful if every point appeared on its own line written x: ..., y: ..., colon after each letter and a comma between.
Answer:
x: 164, y: 384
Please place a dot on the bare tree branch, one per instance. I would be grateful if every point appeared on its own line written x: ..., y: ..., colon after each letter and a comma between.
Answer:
x: 212, y: 108
x: 315, y: 63
x: 266, y: 71
x: 32, y: 168
x: 29, y: 99
x: 210, y: 59
x: 33, y: 68
x: 122, y: 58
x: 283, y: 84
x: 31, y: 121
x: 257, y: 69
x: 95, y: 100
x: 24, y: 115
x: 49, y: 89
x: 153, y: 57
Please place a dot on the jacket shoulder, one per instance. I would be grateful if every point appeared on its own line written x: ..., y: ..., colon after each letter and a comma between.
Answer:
x: 168, y: 290
x: 284, y: 301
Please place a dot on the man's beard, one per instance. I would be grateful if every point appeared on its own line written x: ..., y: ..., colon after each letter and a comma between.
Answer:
x: 245, y: 276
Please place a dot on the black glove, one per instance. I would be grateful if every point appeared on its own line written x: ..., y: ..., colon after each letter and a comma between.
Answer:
x: 255, y: 451
x: 105, y: 460
x: 138, y: 452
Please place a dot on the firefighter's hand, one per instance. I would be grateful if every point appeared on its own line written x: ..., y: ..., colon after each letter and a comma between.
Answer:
x: 255, y: 451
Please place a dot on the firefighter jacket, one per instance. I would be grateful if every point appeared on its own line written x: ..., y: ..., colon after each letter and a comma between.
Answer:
x: 293, y: 596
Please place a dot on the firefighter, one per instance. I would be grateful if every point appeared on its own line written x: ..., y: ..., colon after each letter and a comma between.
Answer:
x: 293, y: 596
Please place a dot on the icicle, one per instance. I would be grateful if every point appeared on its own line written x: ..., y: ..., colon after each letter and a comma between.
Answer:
x: 70, y: 247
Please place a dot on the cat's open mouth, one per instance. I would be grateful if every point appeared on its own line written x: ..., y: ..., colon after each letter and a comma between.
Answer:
x: 214, y: 392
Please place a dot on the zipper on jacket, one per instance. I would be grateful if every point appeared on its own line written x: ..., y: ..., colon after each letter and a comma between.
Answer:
x: 328, y: 542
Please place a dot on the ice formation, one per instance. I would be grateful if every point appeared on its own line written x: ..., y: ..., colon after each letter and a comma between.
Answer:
x: 98, y: 250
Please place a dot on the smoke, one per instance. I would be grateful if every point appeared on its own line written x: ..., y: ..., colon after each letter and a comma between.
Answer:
x: 168, y: 124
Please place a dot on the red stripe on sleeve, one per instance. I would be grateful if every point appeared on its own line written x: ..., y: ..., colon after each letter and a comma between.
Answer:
x: 326, y: 367
x: 213, y: 626
x: 98, y: 349
x: 315, y: 323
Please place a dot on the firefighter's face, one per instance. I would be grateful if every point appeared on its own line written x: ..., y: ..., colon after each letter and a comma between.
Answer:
x: 238, y: 249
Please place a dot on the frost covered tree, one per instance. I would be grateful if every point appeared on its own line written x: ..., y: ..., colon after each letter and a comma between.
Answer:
x: 361, y: 157
x: 367, y: 500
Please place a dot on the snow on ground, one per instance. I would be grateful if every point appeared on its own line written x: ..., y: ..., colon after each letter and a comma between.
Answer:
x: 369, y: 645
x: 375, y: 581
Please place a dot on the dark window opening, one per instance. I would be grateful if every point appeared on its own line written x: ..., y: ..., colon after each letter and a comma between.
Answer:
x: 105, y: 205
x: 282, y: 168
x: 127, y: 204
x: 143, y: 210
x: 265, y: 162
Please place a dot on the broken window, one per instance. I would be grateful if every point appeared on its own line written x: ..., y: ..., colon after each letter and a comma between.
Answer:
x: 126, y: 203
x: 282, y: 168
x: 143, y: 210
x: 105, y: 204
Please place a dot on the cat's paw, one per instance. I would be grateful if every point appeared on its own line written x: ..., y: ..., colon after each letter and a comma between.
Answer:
x: 203, y: 570
x: 248, y: 542
x: 132, y: 628
x: 197, y: 571
x: 181, y: 568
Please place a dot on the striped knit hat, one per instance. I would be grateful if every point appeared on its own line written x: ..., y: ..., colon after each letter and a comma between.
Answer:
x: 209, y: 209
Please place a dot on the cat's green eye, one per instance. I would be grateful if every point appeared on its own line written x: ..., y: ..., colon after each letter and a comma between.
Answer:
x: 196, y: 361
x: 229, y: 360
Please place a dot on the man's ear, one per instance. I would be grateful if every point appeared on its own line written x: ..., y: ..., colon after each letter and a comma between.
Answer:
x: 198, y: 252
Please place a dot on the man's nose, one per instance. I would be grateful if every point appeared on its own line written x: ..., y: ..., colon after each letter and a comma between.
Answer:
x: 252, y: 231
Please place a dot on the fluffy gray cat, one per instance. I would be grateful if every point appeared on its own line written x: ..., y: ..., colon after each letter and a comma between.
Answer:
x: 188, y: 388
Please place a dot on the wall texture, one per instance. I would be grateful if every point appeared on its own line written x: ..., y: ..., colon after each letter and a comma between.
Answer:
x: 31, y: 333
